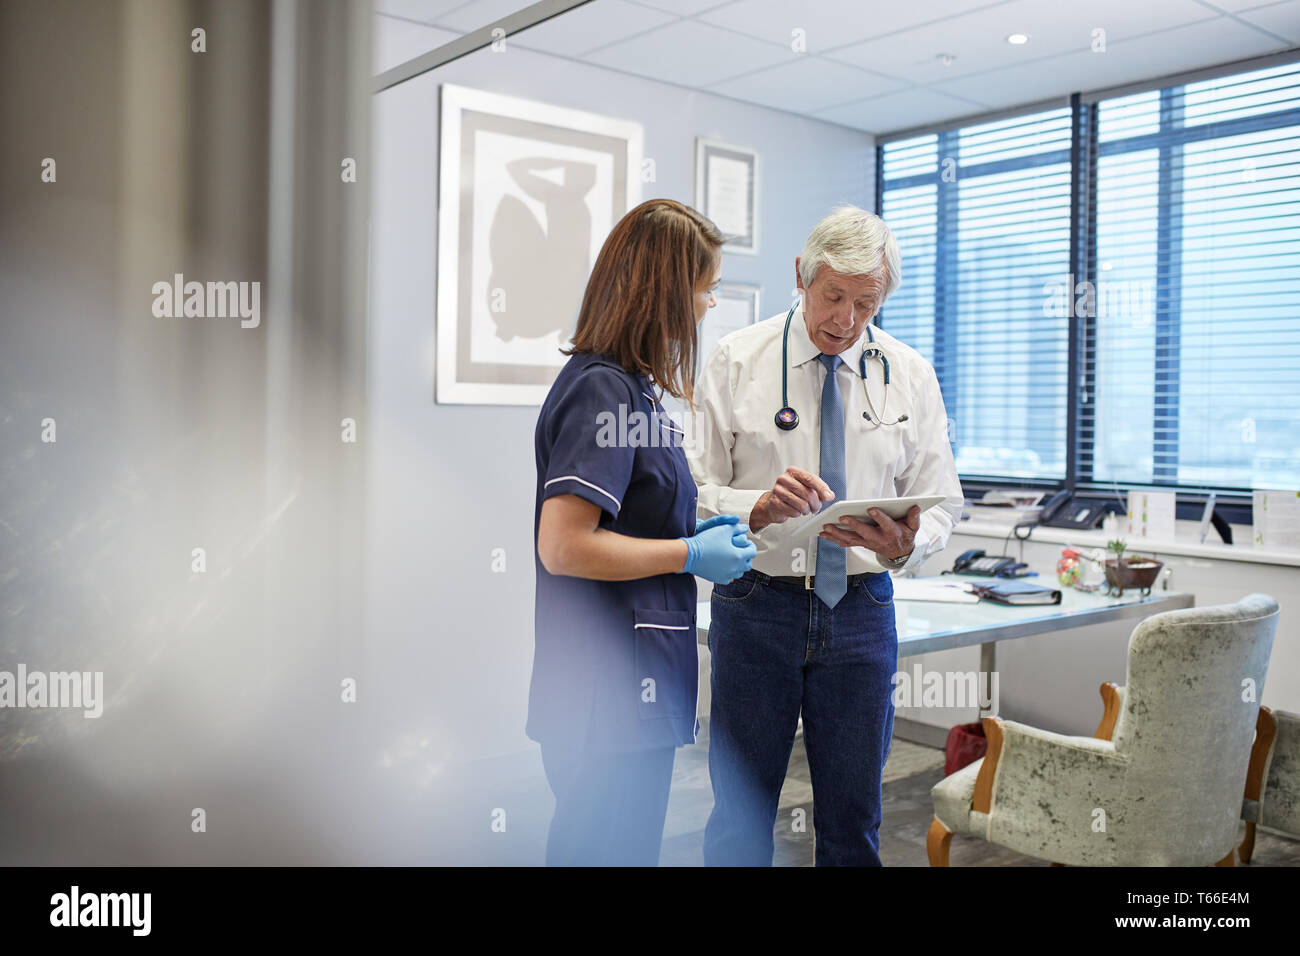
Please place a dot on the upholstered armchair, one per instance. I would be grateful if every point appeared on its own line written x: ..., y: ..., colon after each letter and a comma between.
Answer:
x: 1160, y: 785
x: 1273, y: 781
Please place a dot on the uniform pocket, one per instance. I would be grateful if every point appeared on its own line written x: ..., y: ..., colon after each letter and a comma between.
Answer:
x: 667, y: 663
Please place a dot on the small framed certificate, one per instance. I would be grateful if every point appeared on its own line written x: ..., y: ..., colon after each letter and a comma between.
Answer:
x: 726, y: 190
x: 737, y: 307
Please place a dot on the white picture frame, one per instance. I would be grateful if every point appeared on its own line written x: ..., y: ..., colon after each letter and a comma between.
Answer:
x: 726, y: 191
x: 527, y: 194
x: 737, y: 307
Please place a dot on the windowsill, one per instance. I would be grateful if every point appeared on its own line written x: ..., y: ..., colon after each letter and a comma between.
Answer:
x: 1182, y: 545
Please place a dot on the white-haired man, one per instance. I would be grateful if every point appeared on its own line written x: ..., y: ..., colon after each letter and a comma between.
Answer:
x: 810, y: 629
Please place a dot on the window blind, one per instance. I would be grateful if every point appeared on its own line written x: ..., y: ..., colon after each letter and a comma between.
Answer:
x: 1195, y: 377
x: 982, y: 216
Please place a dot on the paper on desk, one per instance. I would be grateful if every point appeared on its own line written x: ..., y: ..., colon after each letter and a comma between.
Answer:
x: 921, y: 589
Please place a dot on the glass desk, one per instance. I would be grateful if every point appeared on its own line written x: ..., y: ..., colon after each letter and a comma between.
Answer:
x: 925, y: 626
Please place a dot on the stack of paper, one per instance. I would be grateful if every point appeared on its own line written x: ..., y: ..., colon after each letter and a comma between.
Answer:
x: 1006, y: 507
x: 928, y: 589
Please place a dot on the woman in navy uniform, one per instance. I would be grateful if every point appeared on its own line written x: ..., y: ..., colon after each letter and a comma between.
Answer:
x: 615, y: 672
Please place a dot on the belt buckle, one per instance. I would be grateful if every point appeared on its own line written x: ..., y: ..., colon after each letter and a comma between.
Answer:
x: 807, y: 582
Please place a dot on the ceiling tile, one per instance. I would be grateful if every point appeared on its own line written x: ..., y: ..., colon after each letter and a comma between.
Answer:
x: 1280, y: 18
x: 468, y: 17
x: 1236, y: 6
x: 902, y: 110
x: 426, y: 11
x: 1172, y: 51
x: 683, y: 8
x: 1062, y: 27
x: 977, y: 41
x: 394, y: 41
x: 830, y: 23
x: 809, y: 83
x: 915, y: 56
x: 590, y: 26
x: 690, y: 54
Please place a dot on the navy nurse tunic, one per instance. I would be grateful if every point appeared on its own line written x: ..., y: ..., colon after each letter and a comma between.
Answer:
x: 615, y: 666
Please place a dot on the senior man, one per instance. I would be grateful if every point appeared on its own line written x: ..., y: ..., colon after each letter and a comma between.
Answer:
x: 811, y: 627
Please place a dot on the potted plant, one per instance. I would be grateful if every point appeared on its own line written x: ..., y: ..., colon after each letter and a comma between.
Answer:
x: 1138, y: 571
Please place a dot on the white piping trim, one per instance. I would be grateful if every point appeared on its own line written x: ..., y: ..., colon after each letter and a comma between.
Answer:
x: 588, y: 484
x: 662, y: 415
x: 666, y: 627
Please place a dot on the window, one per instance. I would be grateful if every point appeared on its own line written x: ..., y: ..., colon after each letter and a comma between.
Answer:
x: 1197, y: 210
x: 982, y: 216
x: 1166, y: 226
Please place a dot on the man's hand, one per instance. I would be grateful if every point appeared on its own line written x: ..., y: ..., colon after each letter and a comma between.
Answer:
x: 888, y: 538
x: 795, y: 493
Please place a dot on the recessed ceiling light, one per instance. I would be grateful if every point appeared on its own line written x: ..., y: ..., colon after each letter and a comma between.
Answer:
x: 1018, y: 39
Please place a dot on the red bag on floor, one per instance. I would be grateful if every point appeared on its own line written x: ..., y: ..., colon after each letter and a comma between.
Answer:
x: 966, y: 744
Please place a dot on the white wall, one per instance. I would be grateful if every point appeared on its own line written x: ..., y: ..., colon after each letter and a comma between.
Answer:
x: 450, y: 642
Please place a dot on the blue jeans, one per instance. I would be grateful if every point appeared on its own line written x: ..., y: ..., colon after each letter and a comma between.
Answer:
x: 777, y: 650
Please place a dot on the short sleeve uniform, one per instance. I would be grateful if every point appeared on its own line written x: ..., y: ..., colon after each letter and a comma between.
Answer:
x: 615, y: 666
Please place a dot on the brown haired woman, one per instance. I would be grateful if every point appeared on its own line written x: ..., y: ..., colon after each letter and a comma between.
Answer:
x: 615, y: 671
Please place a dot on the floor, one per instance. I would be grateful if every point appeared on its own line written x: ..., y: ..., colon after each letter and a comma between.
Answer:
x: 911, y: 771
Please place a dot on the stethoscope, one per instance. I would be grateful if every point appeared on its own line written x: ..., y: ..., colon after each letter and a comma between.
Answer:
x: 787, y: 418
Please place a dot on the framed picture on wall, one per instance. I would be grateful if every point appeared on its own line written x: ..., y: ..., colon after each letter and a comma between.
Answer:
x: 737, y: 307
x: 726, y: 190
x: 527, y: 193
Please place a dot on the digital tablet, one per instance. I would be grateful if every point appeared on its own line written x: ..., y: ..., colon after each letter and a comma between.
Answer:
x: 896, y: 508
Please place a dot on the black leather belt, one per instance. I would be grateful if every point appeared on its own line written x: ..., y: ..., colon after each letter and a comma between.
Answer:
x: 807, y: 581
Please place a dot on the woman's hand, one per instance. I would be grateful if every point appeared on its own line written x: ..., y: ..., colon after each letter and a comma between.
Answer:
x: 716, y: 520
x: 721, y: 552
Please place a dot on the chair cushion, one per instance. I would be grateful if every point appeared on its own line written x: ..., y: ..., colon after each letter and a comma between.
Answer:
x: 952, y: 800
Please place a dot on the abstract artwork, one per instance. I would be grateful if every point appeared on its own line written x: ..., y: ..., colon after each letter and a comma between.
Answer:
x: 527, y: 194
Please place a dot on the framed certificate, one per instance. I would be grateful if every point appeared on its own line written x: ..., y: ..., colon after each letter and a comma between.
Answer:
x: 737, y: 307
x: 726, y: 190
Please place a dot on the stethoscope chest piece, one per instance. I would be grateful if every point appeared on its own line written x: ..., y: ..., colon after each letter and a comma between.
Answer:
x: 787, y: 418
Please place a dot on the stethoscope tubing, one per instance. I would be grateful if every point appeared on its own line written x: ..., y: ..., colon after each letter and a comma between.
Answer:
x: 787, y: 418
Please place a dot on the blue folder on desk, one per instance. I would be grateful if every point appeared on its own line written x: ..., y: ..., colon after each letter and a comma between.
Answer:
x: 1017, y: 593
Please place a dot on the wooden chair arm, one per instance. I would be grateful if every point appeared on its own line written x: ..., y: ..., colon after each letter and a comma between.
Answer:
x: 983, y: 797
x: 1265, y: 732
x: 1111, y: 706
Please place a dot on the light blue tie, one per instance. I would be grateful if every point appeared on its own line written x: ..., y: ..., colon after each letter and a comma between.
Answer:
x: 831, y: 582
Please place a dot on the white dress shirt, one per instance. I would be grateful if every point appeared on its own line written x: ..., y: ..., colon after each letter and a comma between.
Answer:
x: 736, y: 452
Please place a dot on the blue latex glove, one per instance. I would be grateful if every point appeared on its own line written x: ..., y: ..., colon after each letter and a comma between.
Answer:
x: 721, y: 552
x: 716, y: 520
